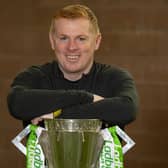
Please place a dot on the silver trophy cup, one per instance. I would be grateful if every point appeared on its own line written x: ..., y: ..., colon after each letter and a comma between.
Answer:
x: 72, y: 143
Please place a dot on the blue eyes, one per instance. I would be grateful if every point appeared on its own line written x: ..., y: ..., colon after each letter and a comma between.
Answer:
x: 82, y: 39
x: 78, y: 38
x: 63, y: 38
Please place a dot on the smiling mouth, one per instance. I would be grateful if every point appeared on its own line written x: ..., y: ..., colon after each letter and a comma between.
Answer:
x: 72, y: 58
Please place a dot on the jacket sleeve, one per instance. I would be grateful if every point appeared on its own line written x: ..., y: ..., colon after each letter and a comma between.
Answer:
x: 119, y: 109
x: 27, y: 99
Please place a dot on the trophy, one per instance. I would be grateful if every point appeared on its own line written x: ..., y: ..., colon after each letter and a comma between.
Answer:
x: 73, y: 143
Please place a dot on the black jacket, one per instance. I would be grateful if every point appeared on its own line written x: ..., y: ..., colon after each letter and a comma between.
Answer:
x: 43, y: 89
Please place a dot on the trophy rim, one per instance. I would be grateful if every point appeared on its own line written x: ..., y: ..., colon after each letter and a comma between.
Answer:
x: 73, y: 125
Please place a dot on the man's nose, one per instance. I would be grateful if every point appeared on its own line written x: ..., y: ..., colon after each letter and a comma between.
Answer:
x: 72, y: 45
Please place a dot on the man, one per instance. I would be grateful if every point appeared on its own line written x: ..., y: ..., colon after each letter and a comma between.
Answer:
x: 74, y: 86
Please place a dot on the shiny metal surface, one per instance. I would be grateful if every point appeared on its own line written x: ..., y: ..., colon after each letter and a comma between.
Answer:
x: 73, y: 143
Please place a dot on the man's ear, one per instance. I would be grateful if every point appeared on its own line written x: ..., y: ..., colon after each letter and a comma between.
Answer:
x: 98, y: 41
x: 52, y: 42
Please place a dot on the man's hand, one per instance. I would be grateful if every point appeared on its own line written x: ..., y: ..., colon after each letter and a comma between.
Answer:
x: 36, y: 120
x: 97, y: 98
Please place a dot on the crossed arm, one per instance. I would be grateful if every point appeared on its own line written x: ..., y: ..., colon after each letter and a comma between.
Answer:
x: 29, y: 103
x: 36, y: 120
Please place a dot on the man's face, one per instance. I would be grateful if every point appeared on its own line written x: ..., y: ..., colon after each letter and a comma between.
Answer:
x: 74, y: 43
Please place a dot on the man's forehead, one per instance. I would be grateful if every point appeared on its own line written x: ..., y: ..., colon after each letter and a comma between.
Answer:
x: 79, y: 25
x: 68, y: 21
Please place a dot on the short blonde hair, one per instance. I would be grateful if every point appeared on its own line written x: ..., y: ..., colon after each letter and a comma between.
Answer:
x: 74, y: 12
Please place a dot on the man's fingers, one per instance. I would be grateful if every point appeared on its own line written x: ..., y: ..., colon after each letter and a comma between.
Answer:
x: 97, y: 98
x: 36, y: 120
x: 47, y: 116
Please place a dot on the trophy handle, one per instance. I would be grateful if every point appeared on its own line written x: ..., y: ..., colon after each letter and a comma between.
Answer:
x: 129, y: 142
x: 17, y: 140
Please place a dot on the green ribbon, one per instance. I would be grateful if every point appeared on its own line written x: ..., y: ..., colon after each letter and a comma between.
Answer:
x: 34, y: 156
x: 111, y: 155
x: 118, y: 154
